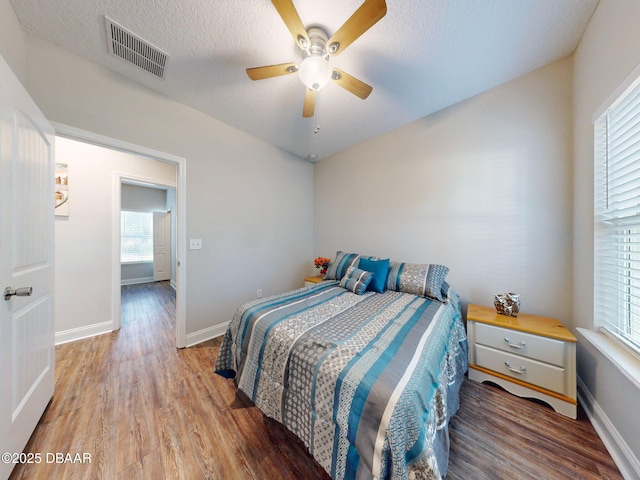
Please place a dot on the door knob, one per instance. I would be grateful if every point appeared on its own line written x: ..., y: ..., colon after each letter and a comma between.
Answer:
x: 18, y: 292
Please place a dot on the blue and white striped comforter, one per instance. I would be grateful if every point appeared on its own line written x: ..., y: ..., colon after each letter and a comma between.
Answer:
x: 367, y: 382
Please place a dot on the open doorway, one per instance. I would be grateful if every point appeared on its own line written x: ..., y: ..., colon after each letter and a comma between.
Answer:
x: 147, y: 268
x: 138, y: 193
x: 108, y: 200
x: 147, y: 233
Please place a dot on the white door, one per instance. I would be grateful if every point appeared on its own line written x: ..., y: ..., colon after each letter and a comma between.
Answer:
x: 26, y: 262
x: 161, y: 246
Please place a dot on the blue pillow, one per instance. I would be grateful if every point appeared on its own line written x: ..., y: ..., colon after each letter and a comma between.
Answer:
x: 380, y: 270
x: 356, y: 280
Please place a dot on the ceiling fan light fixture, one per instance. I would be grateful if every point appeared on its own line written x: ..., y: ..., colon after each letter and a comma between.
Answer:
x: 315, y: 72
x: 317, y: 48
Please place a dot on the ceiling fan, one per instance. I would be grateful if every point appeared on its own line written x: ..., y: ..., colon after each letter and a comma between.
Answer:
x: 314, y: 69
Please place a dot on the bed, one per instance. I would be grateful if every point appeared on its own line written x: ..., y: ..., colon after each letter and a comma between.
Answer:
x: 367, y: 378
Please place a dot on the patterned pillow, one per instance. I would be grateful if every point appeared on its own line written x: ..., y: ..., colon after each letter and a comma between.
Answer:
x: 339, y: 266
x: 356, y: 280
x: 421, y: 279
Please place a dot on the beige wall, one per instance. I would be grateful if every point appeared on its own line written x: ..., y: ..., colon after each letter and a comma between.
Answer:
x: 606, y: 55
x: 483, y: 187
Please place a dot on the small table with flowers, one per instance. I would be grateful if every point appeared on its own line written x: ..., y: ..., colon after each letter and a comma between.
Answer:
x: 311, y: 281
x: 321, y: 263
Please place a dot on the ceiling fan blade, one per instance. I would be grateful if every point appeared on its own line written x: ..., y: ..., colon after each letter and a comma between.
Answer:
x: 291, y: 19
x: 260, y: 73
x: 351, y: 84
x: 362, y: 20
x: 309, y: 103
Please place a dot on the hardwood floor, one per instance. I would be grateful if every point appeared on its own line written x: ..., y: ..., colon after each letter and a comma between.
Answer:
x: 140, y: 408
x: 496, y: 435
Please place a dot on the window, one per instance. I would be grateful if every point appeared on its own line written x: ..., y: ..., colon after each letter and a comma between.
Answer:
x: 136, y: 237
x: 617, y: 218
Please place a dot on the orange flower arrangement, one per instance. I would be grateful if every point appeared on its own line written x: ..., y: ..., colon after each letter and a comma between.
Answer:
x: 322, y: 263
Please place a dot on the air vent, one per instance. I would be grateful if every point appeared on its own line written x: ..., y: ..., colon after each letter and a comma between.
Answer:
x: 133, y: 49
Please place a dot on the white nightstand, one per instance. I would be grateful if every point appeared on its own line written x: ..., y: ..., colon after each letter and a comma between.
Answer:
x: 527, y: 355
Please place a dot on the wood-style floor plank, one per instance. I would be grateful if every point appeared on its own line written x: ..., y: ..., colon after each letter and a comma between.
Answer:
x: 144, y: 410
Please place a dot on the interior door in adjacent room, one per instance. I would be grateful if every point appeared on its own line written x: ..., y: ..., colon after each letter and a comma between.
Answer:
x: 26, y: 266
x: 161, y: 246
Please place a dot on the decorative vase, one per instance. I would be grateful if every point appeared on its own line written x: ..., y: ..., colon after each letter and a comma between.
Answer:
x: 514, y: 301
x: 507, y: 304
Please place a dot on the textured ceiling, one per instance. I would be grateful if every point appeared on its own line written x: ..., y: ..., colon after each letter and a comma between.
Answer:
x: 421, y: 57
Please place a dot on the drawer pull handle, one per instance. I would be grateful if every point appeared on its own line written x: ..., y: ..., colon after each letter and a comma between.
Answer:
x: 513, y: 345
x: 511, y: 369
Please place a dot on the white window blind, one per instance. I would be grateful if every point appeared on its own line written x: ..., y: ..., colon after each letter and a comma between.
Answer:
x: 617, y: 218
x: 136, y: 236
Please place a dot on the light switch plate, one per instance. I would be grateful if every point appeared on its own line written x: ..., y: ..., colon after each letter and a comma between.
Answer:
x: 195, y: 244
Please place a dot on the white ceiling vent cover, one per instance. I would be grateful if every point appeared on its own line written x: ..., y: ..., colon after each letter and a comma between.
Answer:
x: 130, y: 47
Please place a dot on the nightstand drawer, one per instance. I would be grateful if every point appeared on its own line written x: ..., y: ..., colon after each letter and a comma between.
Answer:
x: 525, y: 369
x: 519, y: 343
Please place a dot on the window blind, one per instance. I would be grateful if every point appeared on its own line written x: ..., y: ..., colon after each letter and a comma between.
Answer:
x: 136, y: 236
x: 617, y: 218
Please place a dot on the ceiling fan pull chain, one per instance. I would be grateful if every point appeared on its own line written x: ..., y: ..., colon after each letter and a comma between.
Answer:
x: 317, y: 113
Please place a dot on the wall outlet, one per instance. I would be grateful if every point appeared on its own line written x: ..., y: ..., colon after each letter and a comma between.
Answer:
x: 259, y: 293
x: 195, y: 244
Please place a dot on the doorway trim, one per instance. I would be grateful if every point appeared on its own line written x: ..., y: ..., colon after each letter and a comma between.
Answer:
x: 181, y: 220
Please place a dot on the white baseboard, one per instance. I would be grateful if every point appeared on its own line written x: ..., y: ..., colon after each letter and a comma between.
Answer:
x: 135, y: 281
x: 622, y: 455
x: 79, y: 333
x: 206, y: 334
